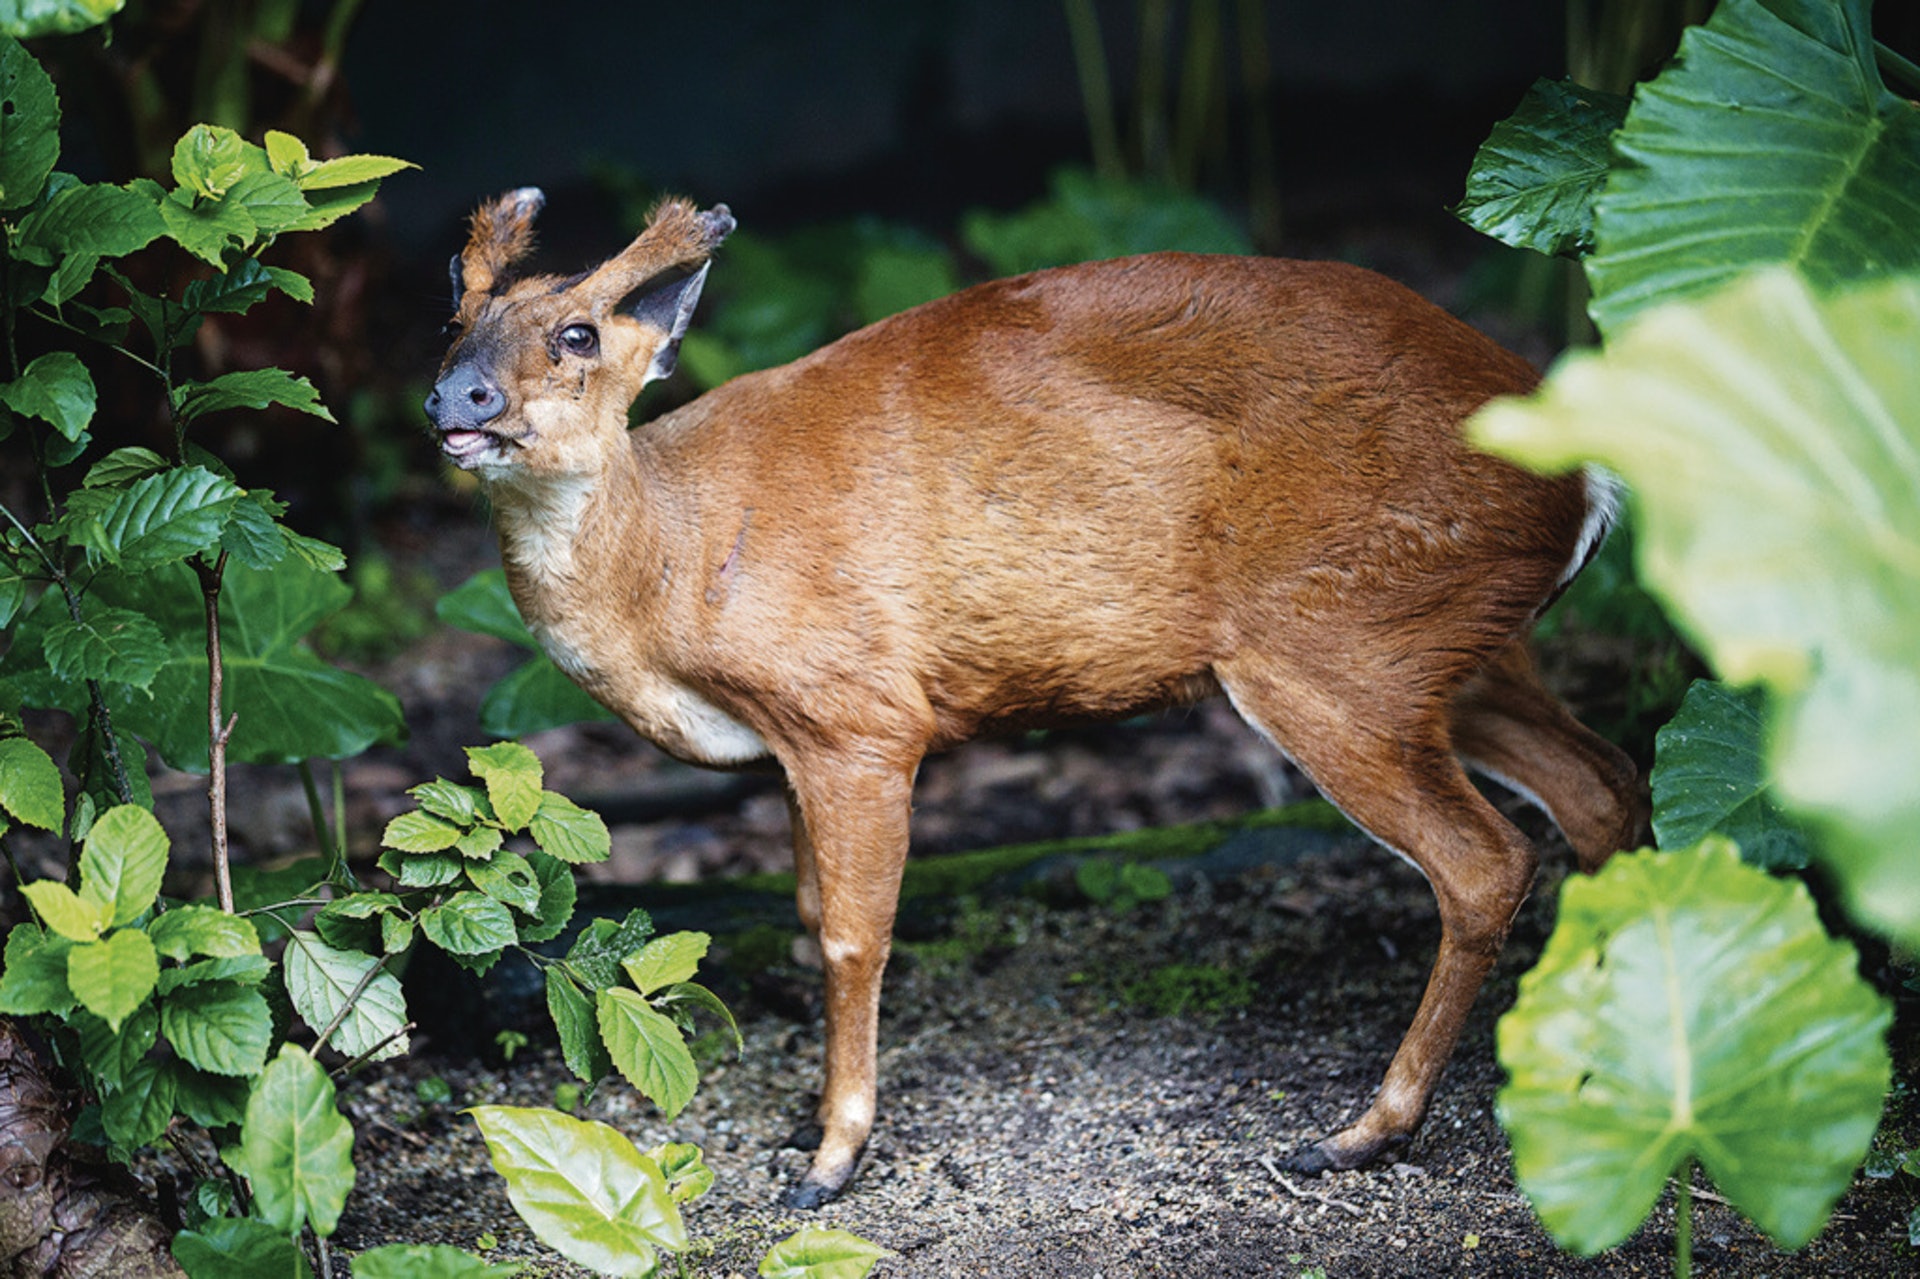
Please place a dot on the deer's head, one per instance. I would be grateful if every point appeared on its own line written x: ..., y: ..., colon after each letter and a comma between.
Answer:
x: 543, y: 368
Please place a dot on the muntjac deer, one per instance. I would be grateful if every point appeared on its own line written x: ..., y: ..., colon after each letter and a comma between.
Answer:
x: 1081, y: 493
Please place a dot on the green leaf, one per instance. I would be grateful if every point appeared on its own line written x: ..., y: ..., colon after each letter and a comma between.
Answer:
x: 685, y: 1168
x: 114, y: 1056
x: 191, y: 930
x: 290, y: 705
x: 163, y: 518
x: 207, y: 229
x: 115, y: 644
x: 136, y: 1114
x: 30, y: 788
x: 1690, y: 1007
x: 124, y: 861
x: 666, y: 960
x: 509, y: 879
x: 1088, y: 217
x: 34, y: 979
x: 512, y: 774
x: 648, y: 1049
x: 272, y: 201
x: 233, y: 291
x: 1771, y: 140
x: 423, y: 870
x: 320, y: 982
x: 57, y: 389
x: 74, y: 917
x: 480, y: 843
x: 295, y: 1148
x: 209, y: 159
x: 573, y: 1017
x: 1772, y: 440
x: 483, y: 604
x: 114, y: 976
x: 327, y: 206
x: 1709, y: 778
x: 239, y: 1248
x: 557, y: 896
x: 817, y: 1252
x: 254, y: 536
x: 1535, y: 178
x: 248, y: 389
x: 240, y: 970
x: 350, y: 170
x: 27, y: 19
x: 583, y: 1188
x: 447, y: 800
x: 87, y: 222
x: 597, y: 951
x: 287, y: 154
x: 687, y: 992
x: 469, y: 924
x: 29, y: 126
x: 219, y: 1027
x: 565, y: 830
x: 122, y: 467
x: 419, y: 832
x: 427, y: 1261
x: 534, y: 697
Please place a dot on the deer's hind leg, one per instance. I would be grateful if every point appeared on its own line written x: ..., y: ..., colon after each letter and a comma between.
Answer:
x: 1390, y: 767
x: 1508, y: 726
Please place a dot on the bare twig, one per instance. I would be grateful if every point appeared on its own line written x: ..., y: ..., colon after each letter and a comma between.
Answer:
x: 217, y: 735
x: 1273, y: 1170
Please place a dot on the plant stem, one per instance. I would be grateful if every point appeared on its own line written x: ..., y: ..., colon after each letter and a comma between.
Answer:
x: 1096, y: 90
x: 1683, y: 1223
x: 217, y: 734
x: 322, y: 829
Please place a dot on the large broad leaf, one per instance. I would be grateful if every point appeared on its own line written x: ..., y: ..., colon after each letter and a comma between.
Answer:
x: 56, y: 388
x: 295, y: 1148
x: 239, y: 1248
x: 1772, y: 140
x: 1772, y: 440
x: 29, y: 18
x: 583, y: 1188
x: 1689, y: 1006
x: 1710, y: 778
x: 289, y: 704
x: 427, y: 1261
x: 1534, y: 180
x: 29, y: 126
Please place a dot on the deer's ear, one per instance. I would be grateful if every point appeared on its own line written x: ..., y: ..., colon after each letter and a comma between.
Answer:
x: 666, y: 303
x: 501, y: 234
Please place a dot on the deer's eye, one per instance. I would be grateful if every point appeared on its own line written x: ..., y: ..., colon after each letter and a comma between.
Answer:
x: 579, y: 339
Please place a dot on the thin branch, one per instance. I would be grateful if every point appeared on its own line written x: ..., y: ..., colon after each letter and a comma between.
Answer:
x: 350, y: 1067
x: 217, y: 734
x: 1273, y: 1170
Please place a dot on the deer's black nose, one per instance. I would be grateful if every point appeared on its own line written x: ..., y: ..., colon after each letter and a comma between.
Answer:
x: 465, y: 398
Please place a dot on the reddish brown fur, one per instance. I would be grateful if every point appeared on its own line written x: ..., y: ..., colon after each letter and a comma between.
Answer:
x: 1076, y: 494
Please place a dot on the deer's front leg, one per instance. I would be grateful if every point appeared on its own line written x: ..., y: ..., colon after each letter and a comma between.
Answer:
x: 851, y: 831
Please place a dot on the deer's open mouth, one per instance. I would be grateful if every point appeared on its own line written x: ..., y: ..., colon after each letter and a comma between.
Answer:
x: 466, y: 447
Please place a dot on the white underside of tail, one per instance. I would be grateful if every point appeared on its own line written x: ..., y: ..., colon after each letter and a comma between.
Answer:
x: 1605, y: 492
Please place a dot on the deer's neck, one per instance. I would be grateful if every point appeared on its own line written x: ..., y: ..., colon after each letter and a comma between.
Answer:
x: 566, y: 540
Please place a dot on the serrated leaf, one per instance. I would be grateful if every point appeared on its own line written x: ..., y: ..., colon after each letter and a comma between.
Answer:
x: 578, y: 1028
x: 419, y: 832
x: 1769, y: 141
x: 85, y: 223
x: 509, y: 879
x: 139, y: 1111
x: 191, y: 930
x: 124, y: 860
x: 57, y: 389
x: 396, y: 933
x: 254, y: 536
x: 239, y: 1248
x: 1690, y: 1007
x: 647, y: 1049
x: 114, y: 1055
x: 295, y: 1148
x: 1710, y: 778
x: 350, y: 170
x: 115, y: 644
x: 273, y: 202
x: 248, y: 389
x: 687, y: 992
x: 583, y: 1188
x: 557, y: 896
x: 565, y: 830
x: 327, y: 206
x: 287, y: 154
x: 208, y: 159
x: 1772, y: 441
x: 30, y: 787
x: 220, y: 1027
x: 29, y: 126
x: 233, y: 291
x: 65, y: 912
x: 321, y: 980
x: 469, y: 924
x: 818, y: 1252
x: 512, y: 774
x: 113, y: 976
x: 164, y: 518
x: 1534, y: 180
x: 34, y: 979
x: 601, y: 945
x: 427, y: 1261
x: 122, y: 467
x: 666, y: 960
x: 426, y: 870
x: 240, y: 970
x: 207, y: 229
x: 447, y: 800
x: 480, y: 843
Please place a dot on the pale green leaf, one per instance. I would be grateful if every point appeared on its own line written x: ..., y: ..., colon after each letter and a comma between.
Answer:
x: 65, y: 912
x: 508, y: 878
x: 565, y: 830
x: 124, y: 861
x: 1772, y: 441
x: 295, y: 1148
x: 512, y: 774
x: 648, y: 1049
x: 480, y: 843
x: 113, y: 976
x: 1689, y: 1006
x: 427, y: 1261
x: 818, y: 1252
x: 448, y: 800
x: 419, y: 832
x: 583, y: 1188
x: 684, y: 1166
x: 687, y: 992
x: 1770, y: 140
x: 209, y: 159
x: 322, y: 980
x: 350, y: 170
x: 665, y: 960
x: 30, y: 788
